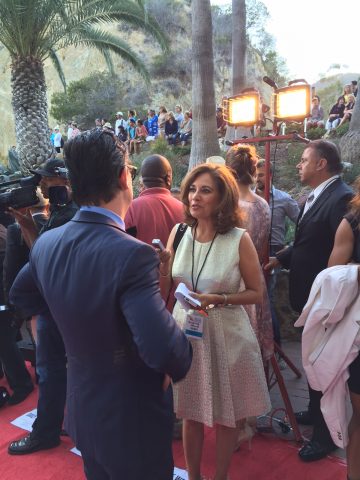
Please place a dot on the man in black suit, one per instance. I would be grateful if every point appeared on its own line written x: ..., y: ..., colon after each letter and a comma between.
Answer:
x: 102, y: 288
x: 320, y: 169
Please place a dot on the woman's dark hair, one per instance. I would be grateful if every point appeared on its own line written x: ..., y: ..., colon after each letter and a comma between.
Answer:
x: 94, y: 159
x: 122, y: 129
x: 227, y: 213
x: 242, y: 158
x: 140, y: 122
x: 340, y: 98
x: 329, y: 151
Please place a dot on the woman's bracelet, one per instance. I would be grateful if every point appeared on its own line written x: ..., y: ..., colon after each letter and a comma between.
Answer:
x: 164, y: 275
x: 225, y: 298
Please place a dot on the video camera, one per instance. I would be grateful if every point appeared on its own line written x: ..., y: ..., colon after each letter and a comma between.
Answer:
x: 19, y: 193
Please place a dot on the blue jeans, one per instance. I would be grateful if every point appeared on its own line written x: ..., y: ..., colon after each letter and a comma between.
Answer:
x: 184, y: 137
x: 172, y: 138
x: 51, y: 370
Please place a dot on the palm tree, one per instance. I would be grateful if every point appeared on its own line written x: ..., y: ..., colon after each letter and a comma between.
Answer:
x: 239, y: 64
x: 204, y: 134
x: 34, y: 30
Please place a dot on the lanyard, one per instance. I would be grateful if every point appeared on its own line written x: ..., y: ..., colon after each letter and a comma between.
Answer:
x: 194, y: 285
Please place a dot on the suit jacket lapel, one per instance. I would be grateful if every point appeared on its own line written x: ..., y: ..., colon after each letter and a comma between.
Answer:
x: 319, y: 201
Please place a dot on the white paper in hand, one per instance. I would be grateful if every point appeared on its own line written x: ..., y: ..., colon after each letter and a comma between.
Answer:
x: 182, y: 295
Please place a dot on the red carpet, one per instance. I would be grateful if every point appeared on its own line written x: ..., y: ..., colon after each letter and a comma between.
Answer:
x: 269, y: 458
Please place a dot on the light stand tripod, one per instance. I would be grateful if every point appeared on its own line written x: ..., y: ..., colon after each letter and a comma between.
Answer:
x: 276, y: 376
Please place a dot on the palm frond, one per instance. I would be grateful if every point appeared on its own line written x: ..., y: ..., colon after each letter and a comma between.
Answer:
x: 107, y: 43
x: 109, y: 61
x: 104, y: 12
x: 58, y: 67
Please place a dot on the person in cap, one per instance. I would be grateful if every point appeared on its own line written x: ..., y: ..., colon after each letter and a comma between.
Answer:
x: 13, y: 256
x: 120, y: 122
x: 50, y: 350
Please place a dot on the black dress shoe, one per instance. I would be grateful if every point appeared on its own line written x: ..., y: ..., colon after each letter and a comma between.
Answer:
x: 31, y: 444
x: 304, y: 418
x: 313, y: 451
x: 18, y: 397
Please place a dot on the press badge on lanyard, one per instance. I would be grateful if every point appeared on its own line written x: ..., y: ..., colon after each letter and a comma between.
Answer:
x: 194, y: 325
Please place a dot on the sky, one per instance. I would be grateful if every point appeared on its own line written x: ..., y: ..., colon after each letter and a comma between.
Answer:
x: 312, y: 35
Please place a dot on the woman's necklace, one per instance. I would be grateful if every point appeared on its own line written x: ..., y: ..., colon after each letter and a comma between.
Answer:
x: 195, y: 284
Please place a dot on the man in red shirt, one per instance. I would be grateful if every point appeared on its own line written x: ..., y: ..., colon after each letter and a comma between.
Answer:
x: 155, y: 212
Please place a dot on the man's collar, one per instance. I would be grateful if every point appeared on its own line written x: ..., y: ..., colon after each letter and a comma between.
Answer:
x: 155, y: 191
x: 107, y: 213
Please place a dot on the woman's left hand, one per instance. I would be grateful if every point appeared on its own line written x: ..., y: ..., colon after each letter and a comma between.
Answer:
x: 206, y: 299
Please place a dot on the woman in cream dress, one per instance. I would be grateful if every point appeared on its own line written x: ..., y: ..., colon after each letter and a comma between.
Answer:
x: 226, y: 382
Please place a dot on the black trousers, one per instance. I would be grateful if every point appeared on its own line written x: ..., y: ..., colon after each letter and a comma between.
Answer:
x: 321, y: 432
x: 10, y: 356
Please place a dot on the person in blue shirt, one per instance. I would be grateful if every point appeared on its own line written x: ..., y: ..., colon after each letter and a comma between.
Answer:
x: 152, y: 125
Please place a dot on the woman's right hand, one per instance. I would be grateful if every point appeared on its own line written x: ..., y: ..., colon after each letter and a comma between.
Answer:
x: 164, y: 255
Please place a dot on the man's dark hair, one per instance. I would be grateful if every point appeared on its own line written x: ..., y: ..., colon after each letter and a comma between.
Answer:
x: 261, y: 164
x: 317, y: 96
x: 94, y: 159
x: 330, y: 152
x: 354, y: 82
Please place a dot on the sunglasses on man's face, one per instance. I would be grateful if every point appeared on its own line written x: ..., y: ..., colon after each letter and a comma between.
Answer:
x: 133, y: 171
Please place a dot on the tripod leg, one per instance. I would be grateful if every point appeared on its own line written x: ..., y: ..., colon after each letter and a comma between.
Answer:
x: 287, y: 360
x: 286, y: 399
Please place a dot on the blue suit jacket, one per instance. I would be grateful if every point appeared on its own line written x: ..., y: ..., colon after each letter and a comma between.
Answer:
x: 101, y: 287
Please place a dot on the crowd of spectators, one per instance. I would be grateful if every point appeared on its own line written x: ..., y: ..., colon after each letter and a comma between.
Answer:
x: 134, y: 129
x: 339, y: 114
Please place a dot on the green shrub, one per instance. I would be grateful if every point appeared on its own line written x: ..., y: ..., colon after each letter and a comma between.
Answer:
x: 176, y: 156
x: 340, y: 131
x: 295, y: 127
x: 160, y: 146
x: 315, y: 133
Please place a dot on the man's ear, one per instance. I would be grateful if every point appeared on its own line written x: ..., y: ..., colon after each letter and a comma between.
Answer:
x: 124, y: 179
x: 168, y: 180
x: 322, y: 164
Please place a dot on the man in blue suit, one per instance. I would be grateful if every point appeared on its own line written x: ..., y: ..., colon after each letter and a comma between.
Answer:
x: 122, y: 345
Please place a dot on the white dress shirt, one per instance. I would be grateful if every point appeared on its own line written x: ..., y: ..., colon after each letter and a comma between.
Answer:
x: 317, y: 192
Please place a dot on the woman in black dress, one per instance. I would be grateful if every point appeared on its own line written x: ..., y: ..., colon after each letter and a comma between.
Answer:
x: 347, y: 249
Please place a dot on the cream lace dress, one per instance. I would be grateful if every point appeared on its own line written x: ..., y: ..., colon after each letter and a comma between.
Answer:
x: 226, y: 381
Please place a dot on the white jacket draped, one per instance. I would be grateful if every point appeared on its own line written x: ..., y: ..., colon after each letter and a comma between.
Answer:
x: 331, y: 341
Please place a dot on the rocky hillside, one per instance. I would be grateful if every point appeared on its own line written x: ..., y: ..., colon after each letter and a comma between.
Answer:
x: 80, y: 62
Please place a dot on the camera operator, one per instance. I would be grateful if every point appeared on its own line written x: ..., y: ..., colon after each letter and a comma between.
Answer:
x: 50, y: 351
x: 15, y: 255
